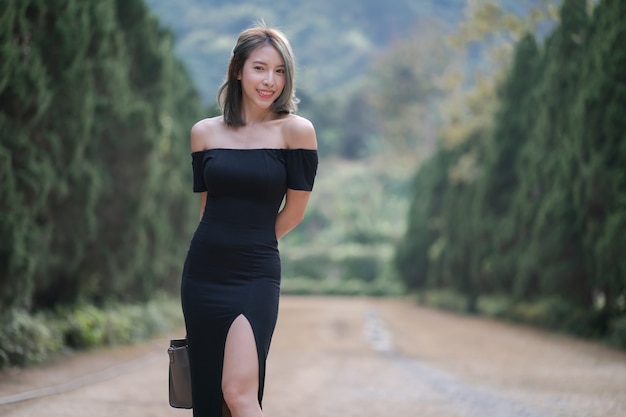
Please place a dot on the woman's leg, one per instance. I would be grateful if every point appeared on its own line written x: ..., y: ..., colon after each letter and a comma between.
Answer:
x: 240, y: 380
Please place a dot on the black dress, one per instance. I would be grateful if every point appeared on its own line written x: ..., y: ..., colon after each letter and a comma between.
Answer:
x: 233, y: 265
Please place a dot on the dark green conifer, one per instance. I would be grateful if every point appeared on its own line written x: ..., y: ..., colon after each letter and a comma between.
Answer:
x: 95, y: 113
x: 551, y: 258
x: 599, y: 126
x: 496, y: 235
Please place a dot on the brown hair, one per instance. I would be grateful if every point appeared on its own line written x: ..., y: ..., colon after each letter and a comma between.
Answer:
x: 230, y: 95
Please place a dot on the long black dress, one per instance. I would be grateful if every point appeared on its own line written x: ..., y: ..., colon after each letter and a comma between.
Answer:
x: 233, y: 265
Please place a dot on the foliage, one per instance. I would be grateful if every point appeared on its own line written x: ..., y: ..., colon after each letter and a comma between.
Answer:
x: 528, y: 207
x: 500, y: 178
x: 354, y: 218
x: 599, y: 152
x: 553, y: 235
x: 551, y: 313
x: 29, y: 339
x: 94, y: 114
x: 419, y: 244
x: 617, y: 333
x: 345, y: 287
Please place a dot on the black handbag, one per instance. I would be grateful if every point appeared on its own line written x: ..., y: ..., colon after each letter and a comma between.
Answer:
x: 180, y: 377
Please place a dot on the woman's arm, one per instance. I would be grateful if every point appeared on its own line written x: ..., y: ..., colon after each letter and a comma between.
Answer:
x: 202, y: 203
x: 200, y: 136
x: 293, y: 211
x: 299, y: 134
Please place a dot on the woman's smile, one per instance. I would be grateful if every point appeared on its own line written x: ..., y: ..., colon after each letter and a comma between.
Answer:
x: 266, y: 94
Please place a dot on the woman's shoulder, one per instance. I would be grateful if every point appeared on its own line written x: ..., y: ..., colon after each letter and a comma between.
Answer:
x: 299, y: 133
x: 207, y: 125
x: 203, y: 131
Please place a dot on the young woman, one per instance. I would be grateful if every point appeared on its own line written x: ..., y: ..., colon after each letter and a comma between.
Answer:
x: 245, y: 163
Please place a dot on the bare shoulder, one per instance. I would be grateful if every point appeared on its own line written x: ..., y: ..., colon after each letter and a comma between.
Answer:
x: 299, y: 133
x: 203, y: 132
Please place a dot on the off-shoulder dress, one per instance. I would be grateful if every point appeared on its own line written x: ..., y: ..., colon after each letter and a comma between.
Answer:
x: 233, y: 266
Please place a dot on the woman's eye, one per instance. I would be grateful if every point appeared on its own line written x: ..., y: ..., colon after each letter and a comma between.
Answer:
x: 280, y: 71
x: 258, y: 68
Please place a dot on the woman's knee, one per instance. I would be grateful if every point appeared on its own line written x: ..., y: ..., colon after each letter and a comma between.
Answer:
x: 238, y: 394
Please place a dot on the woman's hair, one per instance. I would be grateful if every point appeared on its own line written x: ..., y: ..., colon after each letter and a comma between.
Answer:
x: 230, y: 95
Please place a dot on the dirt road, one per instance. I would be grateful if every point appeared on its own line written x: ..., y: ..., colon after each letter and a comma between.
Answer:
x: 349, y: 357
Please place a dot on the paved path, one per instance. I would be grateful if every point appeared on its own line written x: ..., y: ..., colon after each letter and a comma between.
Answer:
x: 349, y: 357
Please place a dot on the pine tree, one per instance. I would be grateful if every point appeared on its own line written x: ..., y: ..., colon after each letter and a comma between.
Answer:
x: 25, y: 98
x: 419, y: 245
x: 552, y: 256
x: 95, y: 111
x: 600, y: 187
x: 497, y: 236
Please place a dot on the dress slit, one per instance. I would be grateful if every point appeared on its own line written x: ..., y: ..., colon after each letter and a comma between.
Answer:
x: 258, y: 351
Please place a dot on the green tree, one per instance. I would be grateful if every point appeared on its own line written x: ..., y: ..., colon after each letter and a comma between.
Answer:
x: 599, y: 191
x: 552, y: 255
x: 459, y: 251
x: 420, y: 245
x: 25, y: 99
x: 494, y: 257
x: 94, y: 114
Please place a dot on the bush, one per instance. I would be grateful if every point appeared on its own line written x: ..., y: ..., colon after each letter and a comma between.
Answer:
x: 334, y: 262
x: 27, y: 339
x: 85, y: 328
x: 494, y: 306
x: 617, y: 333
x: 363, y: 267
x: 314, y: 265
x: 444, y: 299
x: 553, y: 313
x: 347, y: 287
x: 119, y: 324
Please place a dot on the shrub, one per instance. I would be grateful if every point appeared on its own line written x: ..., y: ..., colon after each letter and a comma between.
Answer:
x: 314, y: 265
x: 444, y: 299
x: 26, y: 339
x: 617, y: 333
x: 85, y: 327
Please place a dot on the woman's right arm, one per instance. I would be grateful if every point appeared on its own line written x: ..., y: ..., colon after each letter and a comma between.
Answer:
x: 200, y: 133
x: 202, y: 203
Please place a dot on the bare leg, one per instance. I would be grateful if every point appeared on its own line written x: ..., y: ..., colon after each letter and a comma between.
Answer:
x: 240, y: 380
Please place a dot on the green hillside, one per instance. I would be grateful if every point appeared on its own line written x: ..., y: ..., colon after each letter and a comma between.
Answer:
x: 334, y: 41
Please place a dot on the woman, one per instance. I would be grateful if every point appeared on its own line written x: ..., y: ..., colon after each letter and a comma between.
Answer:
x: 245, y: 162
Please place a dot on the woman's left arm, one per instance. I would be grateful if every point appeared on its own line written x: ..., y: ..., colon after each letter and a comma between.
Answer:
x: 299, y: 134
x: 293, y: 211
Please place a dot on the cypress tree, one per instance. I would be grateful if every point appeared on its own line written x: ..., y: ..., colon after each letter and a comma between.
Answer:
x: 418, y: 246
x: 552, y: 257
x: 600, y: 187
x: 25, y: 98
x: 458, y: 220
x: 496, y: 235
x: 94, y: 113
x: 62, y: 138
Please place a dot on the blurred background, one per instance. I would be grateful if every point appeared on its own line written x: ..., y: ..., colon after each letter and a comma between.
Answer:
x: 472, y: 157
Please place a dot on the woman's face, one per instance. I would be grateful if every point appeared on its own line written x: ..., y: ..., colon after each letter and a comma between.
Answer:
x: 263, y: 77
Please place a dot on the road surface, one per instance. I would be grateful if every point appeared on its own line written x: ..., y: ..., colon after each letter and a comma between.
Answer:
x: 355, y: 357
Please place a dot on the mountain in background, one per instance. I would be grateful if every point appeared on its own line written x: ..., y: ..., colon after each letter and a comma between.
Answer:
x: 335, y: 41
